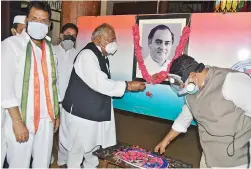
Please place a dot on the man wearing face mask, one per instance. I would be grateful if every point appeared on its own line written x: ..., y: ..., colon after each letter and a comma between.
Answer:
x: 18, y: 25
x: 88, y: 99
x: 65, y: 54
x: 29, y: 91
x: 219, y: 100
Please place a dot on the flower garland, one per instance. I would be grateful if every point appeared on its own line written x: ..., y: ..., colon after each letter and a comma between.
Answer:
x: 161, y: 76
x: 138, y: 156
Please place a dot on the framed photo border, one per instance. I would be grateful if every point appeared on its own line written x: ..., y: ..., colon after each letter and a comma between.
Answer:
x: 186, y: 16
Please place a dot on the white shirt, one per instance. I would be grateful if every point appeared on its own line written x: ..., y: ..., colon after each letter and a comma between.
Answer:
x: 236, y: 88
x: 152, y: 66
x: 88, y: 69
x: 64, y: 61
x: 13, y: 61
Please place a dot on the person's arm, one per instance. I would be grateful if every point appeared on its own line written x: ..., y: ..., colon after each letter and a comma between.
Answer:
x: 57, y: 121
x: 180, y: 125
x: 56, y: 57
x: 8, y: 97
x: 8, y: 64
x: 88, y: 69
x: 237, y: 88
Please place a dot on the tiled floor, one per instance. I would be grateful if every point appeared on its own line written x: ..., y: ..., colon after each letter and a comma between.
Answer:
x: 148, y: 131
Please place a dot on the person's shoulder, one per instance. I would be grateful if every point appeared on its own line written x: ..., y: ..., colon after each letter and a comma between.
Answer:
x: 237, y: 76
x: 10, y: 39
x: 86, y: 52
x: 13, y: 41
x: 18, y: 39
x: 55, y: 47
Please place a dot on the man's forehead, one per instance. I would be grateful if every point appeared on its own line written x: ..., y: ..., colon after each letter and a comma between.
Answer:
x: 39, y: 13
x: 70, y: 31
x: 20, y: 25
x: 164, y: 35
x: 109, y: 33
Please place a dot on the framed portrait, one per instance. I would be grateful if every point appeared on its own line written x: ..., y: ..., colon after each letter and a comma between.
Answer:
x: 159, y: 37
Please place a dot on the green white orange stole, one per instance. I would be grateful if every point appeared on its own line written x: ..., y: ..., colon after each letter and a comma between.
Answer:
x: 52, y: 111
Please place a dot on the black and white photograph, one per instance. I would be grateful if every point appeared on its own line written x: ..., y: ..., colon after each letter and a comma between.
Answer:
x: 159, y: 38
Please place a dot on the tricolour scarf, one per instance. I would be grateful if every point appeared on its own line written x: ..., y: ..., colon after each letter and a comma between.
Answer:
x: 26, y: 79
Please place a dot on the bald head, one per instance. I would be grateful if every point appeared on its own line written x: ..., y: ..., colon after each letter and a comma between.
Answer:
x: 103, y: 35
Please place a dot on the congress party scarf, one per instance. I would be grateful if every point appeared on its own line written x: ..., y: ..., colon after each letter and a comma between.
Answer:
x: 26, y: 80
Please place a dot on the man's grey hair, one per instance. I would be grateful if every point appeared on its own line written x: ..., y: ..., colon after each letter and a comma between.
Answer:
x: 99, y: 31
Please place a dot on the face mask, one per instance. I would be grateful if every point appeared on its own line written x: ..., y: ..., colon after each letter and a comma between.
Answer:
x: 67, y: 44
x: 192, y: 88
x: 176, y: 83
x: 37, y: 30
x: 69, y: 37
x: 16, y: 33
x: 21, y: 31
x: 111, y: 48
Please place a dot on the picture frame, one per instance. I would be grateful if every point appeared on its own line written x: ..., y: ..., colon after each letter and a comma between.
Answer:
x: 159, y: 37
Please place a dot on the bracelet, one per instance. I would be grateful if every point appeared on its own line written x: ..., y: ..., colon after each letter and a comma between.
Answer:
x: 128, y: 87
x: 17, y: 120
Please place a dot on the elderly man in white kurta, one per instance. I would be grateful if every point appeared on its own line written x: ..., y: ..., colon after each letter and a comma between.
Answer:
x: 18, y: 28
x: 65, y: 54
x: 235, y: 90
x: 29, y: 91
x: 88, y: 99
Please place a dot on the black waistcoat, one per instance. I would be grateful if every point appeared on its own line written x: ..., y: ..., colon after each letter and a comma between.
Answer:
x: 84, y: 102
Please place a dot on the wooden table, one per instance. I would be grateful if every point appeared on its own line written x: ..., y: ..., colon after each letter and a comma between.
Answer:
x: 107, y: 155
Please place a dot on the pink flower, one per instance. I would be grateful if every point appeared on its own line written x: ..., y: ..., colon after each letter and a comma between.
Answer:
x: 138, y: 53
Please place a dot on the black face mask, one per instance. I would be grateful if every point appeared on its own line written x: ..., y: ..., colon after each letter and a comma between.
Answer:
x: 69, y: 37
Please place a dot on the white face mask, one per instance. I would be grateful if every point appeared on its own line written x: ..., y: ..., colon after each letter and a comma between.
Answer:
x: 111, y: 48
x: 37, y: 30
x: 16, y: 32
x: 67, y: 44
x: 176, y: 83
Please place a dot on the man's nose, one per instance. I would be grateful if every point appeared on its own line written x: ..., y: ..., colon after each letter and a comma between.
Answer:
x: 182, y: 85
x: 163, y: 46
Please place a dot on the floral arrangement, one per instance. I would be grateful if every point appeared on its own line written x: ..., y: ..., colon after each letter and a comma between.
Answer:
x: 140, y: 158
x: 161, y: 76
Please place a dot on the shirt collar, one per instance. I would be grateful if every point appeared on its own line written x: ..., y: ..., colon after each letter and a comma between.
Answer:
x: 99, y: 48
x: 149, y: 59
x: 60, y: 47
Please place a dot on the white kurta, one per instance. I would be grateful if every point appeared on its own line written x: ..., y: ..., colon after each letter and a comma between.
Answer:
x: 85, y: 135
x: 3, y: 140
x: 64, y: 61
x: 236, y: 88
x: 13, y: 62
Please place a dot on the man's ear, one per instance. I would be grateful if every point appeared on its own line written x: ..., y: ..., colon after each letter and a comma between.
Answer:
x: 26, y: 21
x: 61, y: 36
x: 192, y: 75
x: 13, y: 31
